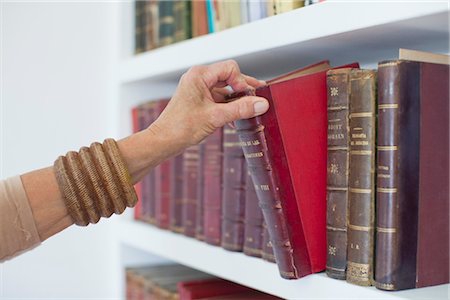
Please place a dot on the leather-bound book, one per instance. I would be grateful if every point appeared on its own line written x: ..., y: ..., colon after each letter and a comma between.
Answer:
x: 182, y: 14
x: 135, y: 115
x: 190, y: 189
x: 212, y: 188
x: 212, y: 287
x: 139, y: 9
x: 412, y: 234
x: 338, y: 89
x: 176, y: 194
x: 233, y: 194
x: 253, y: 230
x: 166, y: 23
x: 148, y: 182
x: 361, y: 217
x: 199, y: 215
x: 288, y: 163
x: 150, y: 25
x: 162, y: 181
x: 266, y: 247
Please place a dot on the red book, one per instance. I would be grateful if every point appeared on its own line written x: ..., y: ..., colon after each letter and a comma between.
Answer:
x: 286, y: 150
x: 233, y: 194
x: 253, y: 221
x: 212, y: 187
x: 176, y: 194
x: 199, y: 234
x: 138, y: 186
x: 162, y: 180
x: 199, y: 289
x: 190, y: 189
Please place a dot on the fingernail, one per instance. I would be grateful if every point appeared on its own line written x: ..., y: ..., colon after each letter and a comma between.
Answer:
x: 260, y: 107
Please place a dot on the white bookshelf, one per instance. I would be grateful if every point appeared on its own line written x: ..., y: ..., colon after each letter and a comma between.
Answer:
x: 342, y: 31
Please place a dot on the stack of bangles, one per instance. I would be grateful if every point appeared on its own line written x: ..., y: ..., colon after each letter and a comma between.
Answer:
x: 94, y: 182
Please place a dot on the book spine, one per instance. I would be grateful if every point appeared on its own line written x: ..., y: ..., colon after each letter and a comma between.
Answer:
x: 148, y: 26
x: 200, y: 207
x: 233, y: 197
x: 176, y: 194
x: 361, y: 217
x: 179, y: 8
x: 337, y: 171
x: 253, y: 232
x: 190, y: 192
x: 166, y: 23
x: 397, y: 178
x: 267, y: 248
x: 138, y: 27
x: 253, y: 141
x: 212, y: 188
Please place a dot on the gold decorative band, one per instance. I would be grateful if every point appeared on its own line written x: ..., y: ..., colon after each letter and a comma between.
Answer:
x: 361, y: 115
x: 332, y: 188
x: 360, y: 191
x: 359, y: 228
x: 361, y: 152
x: 337, y: 148
x: 337, y: 107
x: 335, y: 269
x: 334, y: 120
x: 387, y: 190
x: 336, y: 229
x: 385, y: 106
x: 386, y: 230
x: 387, y: 148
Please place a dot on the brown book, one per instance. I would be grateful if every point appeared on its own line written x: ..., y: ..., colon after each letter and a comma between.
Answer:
x: 199, y: 18
x: 139, y: 10
x: 338, y: 85
x: 150, y: 25
x: 233, y: 194
x: 212, y: 188
x: 413, y: 175
x: 182, y: 13
x: 361, y: 216
x: 176, y: 194
x: 190, y: 189
x: 253, y: 230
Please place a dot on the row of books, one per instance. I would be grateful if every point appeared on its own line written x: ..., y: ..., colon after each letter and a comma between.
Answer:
x: 177, y: 282
x: 206, y: 192
x: 161, y: 23
x: 328, y: 154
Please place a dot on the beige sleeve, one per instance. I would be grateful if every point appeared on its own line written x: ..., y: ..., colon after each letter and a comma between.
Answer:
x: 18, y: 231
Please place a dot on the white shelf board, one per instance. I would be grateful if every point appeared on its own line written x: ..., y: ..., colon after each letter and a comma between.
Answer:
x: 341, y: 31
x: 253, y: 272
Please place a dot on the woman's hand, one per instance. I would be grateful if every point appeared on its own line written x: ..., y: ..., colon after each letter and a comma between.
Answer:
x: 197, y: 108
x: 195, y: 111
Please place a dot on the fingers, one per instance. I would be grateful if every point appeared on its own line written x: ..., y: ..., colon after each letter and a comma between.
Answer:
x: 242, y: 108
x: 228, y: 72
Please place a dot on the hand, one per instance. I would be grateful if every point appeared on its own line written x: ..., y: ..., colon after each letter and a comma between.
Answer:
x: 197, y: 108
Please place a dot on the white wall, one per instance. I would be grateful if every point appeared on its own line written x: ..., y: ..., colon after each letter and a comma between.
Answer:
x: 57, y: 95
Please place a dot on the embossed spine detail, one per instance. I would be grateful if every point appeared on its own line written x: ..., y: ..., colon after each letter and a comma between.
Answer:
x: 337, y: 171
x: 360, y: 234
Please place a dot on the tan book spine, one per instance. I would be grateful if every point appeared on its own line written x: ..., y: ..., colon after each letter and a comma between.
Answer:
x: 360, y: 227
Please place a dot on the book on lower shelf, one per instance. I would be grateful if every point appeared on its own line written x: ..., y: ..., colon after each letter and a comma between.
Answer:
x: 321, y: 125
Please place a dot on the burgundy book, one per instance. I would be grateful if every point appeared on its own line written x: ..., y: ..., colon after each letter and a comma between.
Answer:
x: 190, y: 189
x: 162, y: 180
x: 176, y: 194
x: 253, y: 230
x: 266, y: 247
x: 199, y: 232
x: 412, y: 248
x: 138, y: 186
x: 212, y: 188
x: 288, y: 162
x: 233, y: 195
x: 213, y: 287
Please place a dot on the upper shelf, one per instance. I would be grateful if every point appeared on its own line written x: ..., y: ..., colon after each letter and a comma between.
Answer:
x: 340, y: 31
x: 253, y: 272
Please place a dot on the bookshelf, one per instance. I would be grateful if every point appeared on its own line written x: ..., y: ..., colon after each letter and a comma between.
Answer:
x: 340, y: 31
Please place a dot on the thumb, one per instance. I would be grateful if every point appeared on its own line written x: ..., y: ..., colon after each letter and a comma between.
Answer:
x: 244, y: 108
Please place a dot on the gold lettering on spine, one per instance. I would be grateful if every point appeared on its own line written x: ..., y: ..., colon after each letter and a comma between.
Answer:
x: 254, y: 155
x: 264, y: 187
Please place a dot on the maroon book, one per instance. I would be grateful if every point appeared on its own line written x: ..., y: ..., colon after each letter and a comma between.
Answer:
x: 199, y: 232
x: 199, y: 289
x: 176, y: 194
x: 253, y: 231
x: 233, y: 194
x: 212, y: 188
x: 190, y: 189
x: 412, y: 237
x: 162, y: 180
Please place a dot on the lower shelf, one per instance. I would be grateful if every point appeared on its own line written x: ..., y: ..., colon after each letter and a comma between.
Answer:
x: 253, y: 272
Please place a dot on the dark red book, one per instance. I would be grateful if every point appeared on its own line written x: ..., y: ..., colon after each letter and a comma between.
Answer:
x: 253, y: 221
x: 212, y: 187
x: 162, y: 180
x: 266, y: 247
x: 233, y: 194
x: 199, y: 289
x: 138, y: 186
x: 199, y: 215
x: 412, y: 236
x: 176, y: 194
x: 190, y: 189
x: 286, y: 153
